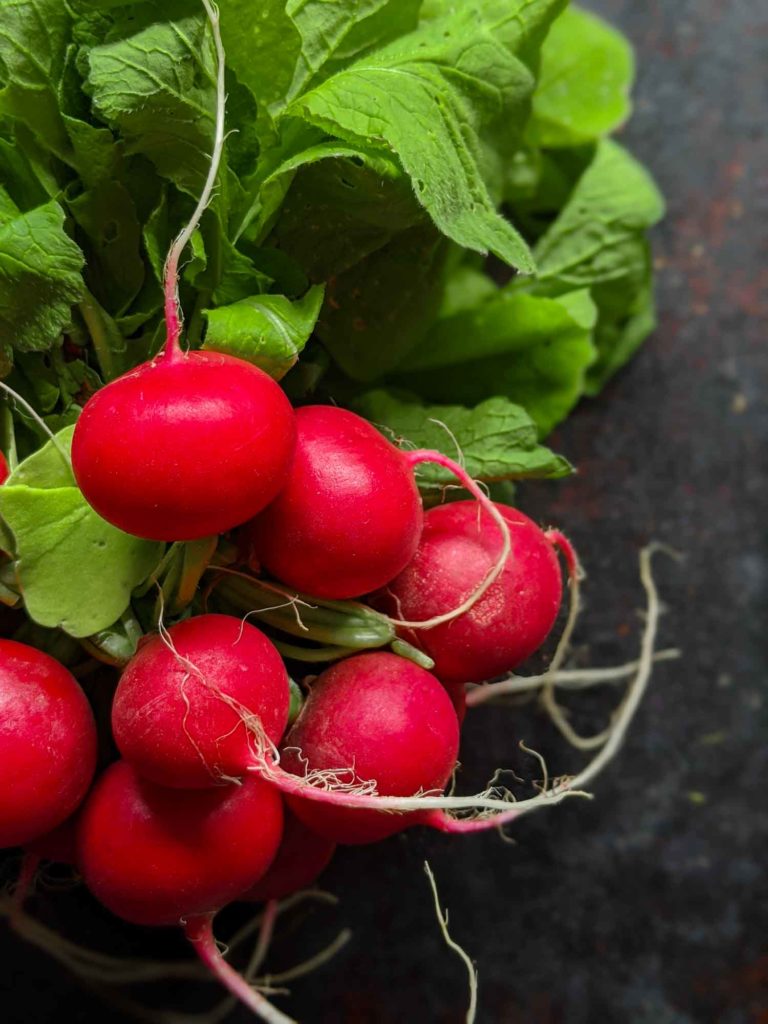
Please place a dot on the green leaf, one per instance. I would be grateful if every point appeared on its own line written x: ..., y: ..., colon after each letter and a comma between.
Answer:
x: 597, y: 235
x: 50, y: 382
x: 520, y: 25
x: 426, y: 99
x: 262, y: 44
x: 496, y: 440
x: 19, y: 178
x: 39, y: 66
x: 34, y: 43
x: 40, y: 277
x: 627, y: 316
x: 336, y: 32
x: 46, y: 467
x: 283, y: 47
x: 530, y: 349
x: 267, y: 330
x: 586, y: 74
x: 157, y: 88
x: 465, y: 288
x: 341, y: 207
x: 115, y: 269
x: 379, y: 309
x: 76, y: 572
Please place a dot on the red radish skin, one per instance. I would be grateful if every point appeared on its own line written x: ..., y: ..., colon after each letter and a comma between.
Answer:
x: 47, y: 743
x: 508, y: 623
x: 301, y: 859
x: 349, y: 517
x: 4, y: 470
x: 387, y: 719
x: 185, y: 446
x: 179, y: 719
x: 155, y: 856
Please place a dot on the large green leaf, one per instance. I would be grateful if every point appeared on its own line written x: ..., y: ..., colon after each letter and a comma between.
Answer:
x: 262, y: 44
x: 520, y: 25
x: 267, y: 330
x: 40, y: 277
x: 426, y: 99
x: 586, y: 74
x: 341, y: 207
x: 495, y: 441
x: 75, y: 571
x: 34, y: 42
x: 336, y: 32
x: 382, y: 307
x: 157, y: 87
x: 597, y: 236
x: 627, y: 316
x: 107, y: 217
x: 530, y: 349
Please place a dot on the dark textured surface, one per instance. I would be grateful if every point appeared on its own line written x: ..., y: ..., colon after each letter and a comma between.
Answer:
x: 649, y: 905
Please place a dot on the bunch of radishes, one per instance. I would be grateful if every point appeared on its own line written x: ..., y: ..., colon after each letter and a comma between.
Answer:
x: 215, y: 798
x: 223, y: 789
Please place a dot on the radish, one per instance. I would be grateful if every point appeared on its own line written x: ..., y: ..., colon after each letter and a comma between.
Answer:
x: 389, y: 738
x: 189, y: 444
x: 302, y: 857
x: 156, y: 856
x: 185, y: 446
x: 377, y: 719
x: 350, y: 518
x: 5, y: 471
x: 509, y: 622
x: 187, y: 702
x: 47, y: 743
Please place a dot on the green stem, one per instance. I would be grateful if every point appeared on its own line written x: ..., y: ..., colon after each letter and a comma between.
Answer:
x: 92, y: 314
x: 313, y: 654
x: 336, y: 623
x: 9, y: 437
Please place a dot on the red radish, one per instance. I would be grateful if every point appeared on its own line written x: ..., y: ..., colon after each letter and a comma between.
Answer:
x: 47, y: 743
x: 373, y: 718
x: 189, y: 444
x: 187, y: 702
x: 509, y: 622
x: 156, y: 856
x: 185, y: 446
x: 349, y: 517
x: 4, y: 470
x: 302, y: 857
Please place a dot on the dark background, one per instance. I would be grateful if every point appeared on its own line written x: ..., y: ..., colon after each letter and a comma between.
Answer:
x: 650, y: 904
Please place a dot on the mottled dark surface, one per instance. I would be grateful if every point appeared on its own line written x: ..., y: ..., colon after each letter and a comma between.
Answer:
x: 649, y: 905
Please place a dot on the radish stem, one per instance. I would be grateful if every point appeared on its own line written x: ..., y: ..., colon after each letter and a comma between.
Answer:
x: 173, y: 320
x: 199, y: 931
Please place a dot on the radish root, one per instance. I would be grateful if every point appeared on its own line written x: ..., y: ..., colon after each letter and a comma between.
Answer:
x: 102, y: 971
x: 199, y: 931
x: 566, y: 679
x: 442, y: 917
x: 496, y: 806
x: 416, y: 457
